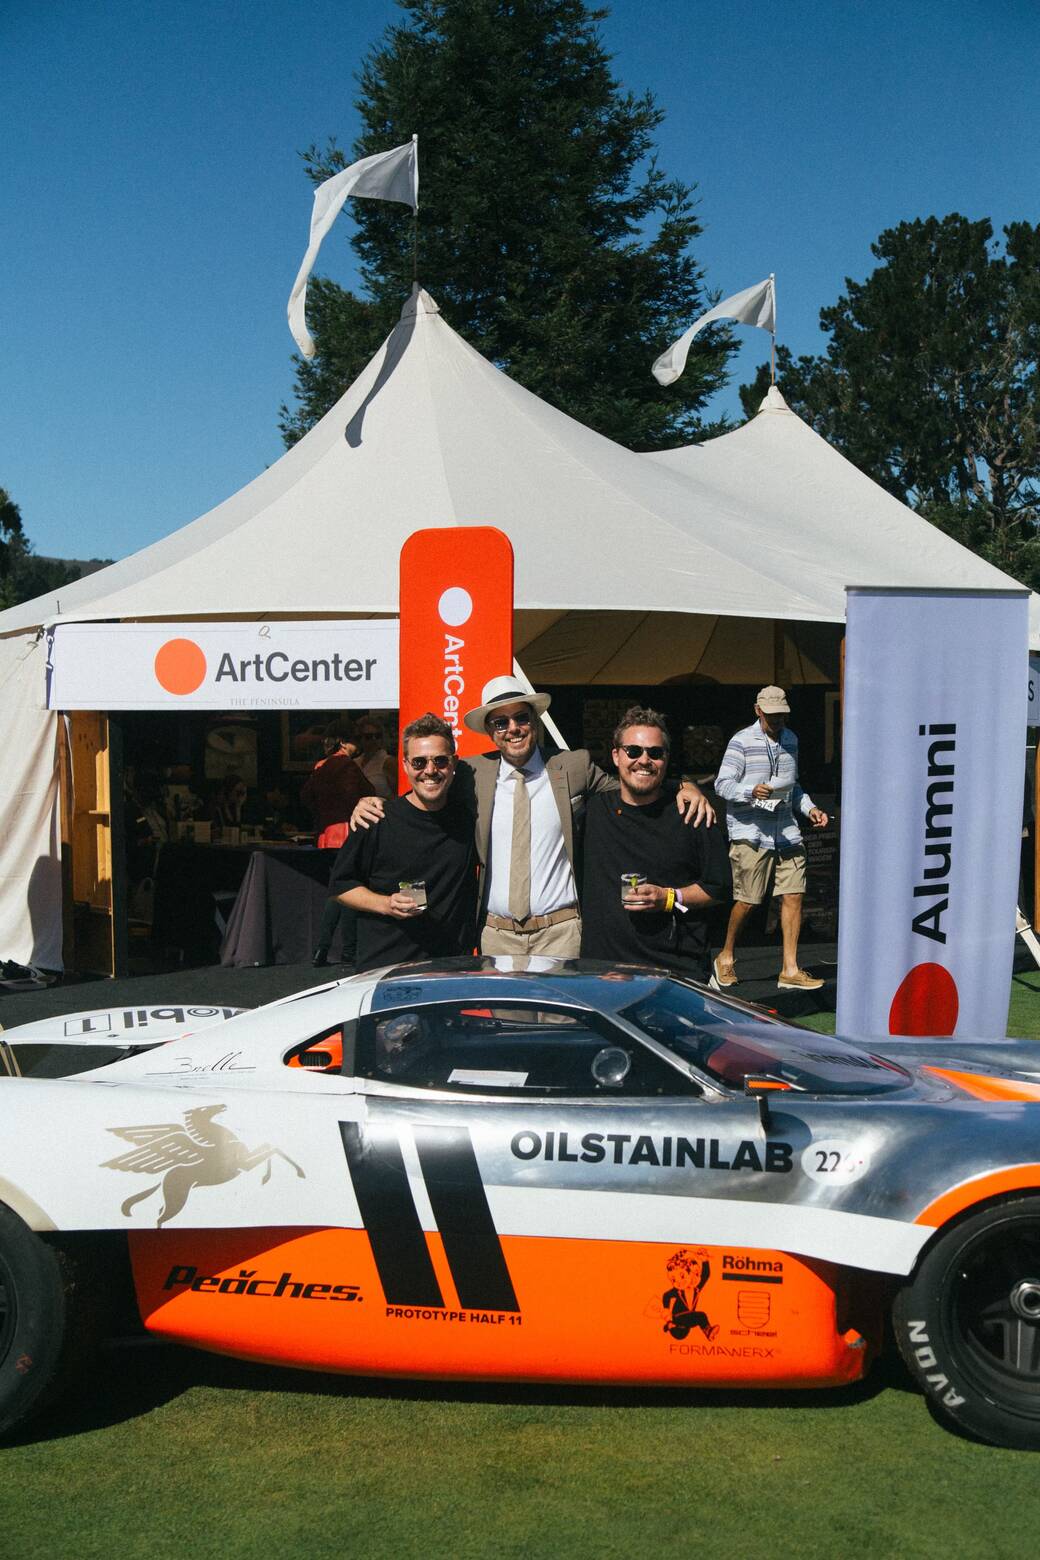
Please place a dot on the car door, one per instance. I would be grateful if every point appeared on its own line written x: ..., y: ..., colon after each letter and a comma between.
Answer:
x: 548, y: 1194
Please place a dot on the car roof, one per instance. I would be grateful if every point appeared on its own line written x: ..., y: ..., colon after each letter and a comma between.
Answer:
x: 581, y: 982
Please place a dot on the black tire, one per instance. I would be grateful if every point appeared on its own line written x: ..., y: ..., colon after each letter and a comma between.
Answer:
x: 34, y: 1316
x: 968, y: 1324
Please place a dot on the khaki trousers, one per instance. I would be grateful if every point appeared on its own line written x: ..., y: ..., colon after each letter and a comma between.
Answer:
x: 562, y: 941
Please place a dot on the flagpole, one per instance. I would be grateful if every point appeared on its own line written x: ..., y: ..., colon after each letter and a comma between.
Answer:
x: 415, y: 223
x: 772, y: 336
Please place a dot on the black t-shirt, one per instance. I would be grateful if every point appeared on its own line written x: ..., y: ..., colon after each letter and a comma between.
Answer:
x: 409, y: 844
x: 655, y: 841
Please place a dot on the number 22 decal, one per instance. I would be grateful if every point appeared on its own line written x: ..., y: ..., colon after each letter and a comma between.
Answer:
x: 834, y: 1160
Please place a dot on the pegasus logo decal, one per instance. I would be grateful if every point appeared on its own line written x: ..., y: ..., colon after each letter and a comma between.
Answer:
x: 199, y: 1153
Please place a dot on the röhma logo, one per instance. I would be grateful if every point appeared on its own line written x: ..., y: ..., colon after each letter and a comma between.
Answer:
x: 180, y: 666
x: 926, y: 1003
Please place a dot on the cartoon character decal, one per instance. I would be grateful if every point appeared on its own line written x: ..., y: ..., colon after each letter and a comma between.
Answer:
x: 689, y: 1271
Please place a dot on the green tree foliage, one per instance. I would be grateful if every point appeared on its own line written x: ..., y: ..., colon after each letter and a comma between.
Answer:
x: 547, y: 233
x: 30, y: 576
x: 23, y: 575
x: 10, y: 532
x: 931, y: 381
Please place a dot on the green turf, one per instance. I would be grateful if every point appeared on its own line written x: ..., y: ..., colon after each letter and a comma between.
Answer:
x: 1023, y: 1014
x: 201, y: 1458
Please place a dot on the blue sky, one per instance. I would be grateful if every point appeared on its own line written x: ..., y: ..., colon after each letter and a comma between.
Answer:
x: 155, y: 208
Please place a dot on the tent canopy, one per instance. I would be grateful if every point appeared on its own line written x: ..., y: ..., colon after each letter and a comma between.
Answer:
x: 629, y: 568
x: 839, y: 526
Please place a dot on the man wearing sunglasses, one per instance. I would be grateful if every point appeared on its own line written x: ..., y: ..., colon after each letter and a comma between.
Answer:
x: 533, y: 910
x: 637, y: 833
x: 425, y: 836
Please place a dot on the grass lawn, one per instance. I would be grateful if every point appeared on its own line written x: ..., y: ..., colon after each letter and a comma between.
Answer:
x: 181, y: 1455
x: 178, y: 1454
x: 1023, y: 1014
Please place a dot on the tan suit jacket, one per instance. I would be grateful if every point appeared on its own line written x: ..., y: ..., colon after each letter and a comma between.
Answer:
x: 573, y: 777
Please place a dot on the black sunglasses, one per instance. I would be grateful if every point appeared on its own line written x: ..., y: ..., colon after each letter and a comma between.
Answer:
x: 502, y: 722
x: 438, y: 760
x: 631, y: 751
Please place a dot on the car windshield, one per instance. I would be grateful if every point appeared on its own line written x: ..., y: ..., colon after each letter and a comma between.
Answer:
x: 730, y: 1045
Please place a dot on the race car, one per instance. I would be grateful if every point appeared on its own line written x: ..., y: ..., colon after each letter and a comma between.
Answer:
x: 574, y: 1173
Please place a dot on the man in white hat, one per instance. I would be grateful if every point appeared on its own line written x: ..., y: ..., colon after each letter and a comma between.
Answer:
x: 529, y: 820
x: 758, y: 778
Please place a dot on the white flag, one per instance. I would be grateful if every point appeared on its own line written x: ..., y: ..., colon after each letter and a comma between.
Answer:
x: 392, y: 175
x: 754, y: 306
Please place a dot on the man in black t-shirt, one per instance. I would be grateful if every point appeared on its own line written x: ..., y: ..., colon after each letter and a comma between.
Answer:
x: 425, y: 836
x: 637, y: 831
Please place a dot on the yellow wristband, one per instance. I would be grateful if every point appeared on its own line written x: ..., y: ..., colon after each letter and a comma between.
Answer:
x: 669, y: 901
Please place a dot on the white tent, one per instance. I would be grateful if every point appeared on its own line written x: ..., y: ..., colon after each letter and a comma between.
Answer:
x: 626, y: 565
x: 765, y: 522
x: 433, y: 434
x: 840, y: 527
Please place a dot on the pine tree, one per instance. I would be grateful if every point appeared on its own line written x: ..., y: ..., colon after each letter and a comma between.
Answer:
x: 547, y: 233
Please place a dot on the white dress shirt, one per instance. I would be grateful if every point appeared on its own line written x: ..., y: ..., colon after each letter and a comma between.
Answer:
x: 552, y: 881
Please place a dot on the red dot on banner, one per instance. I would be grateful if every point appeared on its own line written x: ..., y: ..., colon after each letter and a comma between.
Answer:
x: 926, y: 1002
x: 180, y: 666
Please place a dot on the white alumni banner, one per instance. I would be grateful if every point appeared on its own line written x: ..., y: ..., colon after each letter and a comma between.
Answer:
x: 222, y: 666
x: 931, y: 817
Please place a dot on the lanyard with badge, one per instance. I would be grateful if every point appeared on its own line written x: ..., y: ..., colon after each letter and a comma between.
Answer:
x: 774, y: 750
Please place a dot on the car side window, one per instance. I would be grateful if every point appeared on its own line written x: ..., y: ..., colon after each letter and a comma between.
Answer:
x: 511, y: 1050
x: 331, y: 1051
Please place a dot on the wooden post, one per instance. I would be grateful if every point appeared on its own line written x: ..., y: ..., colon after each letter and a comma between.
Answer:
x: 68, y: 921
x: 117, y: 848
x: 91, y: 839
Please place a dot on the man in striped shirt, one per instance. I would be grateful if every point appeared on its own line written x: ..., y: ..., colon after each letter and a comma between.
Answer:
x: 758, y: 779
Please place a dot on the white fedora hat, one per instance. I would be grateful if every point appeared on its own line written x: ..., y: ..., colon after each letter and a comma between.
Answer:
x: 504, y: 690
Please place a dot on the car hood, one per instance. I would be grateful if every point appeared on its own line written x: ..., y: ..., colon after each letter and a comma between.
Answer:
x: 983, y: 1069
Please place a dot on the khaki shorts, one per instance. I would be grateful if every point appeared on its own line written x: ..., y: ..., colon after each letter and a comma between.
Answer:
x: 753, y: 868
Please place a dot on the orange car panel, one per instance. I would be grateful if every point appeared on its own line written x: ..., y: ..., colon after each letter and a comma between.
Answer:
x: 983, y: 1086
x: 999, y: 1183
x: 584, y: 1310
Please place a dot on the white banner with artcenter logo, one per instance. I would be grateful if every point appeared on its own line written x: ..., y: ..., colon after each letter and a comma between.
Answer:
x: 223, y: 666
x: 931, y: 817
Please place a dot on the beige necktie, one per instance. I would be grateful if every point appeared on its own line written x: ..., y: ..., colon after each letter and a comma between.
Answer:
x: 520, y: 856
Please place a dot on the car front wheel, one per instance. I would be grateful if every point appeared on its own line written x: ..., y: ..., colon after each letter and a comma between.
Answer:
x: 968, y: 1324
x: 33, y: 1319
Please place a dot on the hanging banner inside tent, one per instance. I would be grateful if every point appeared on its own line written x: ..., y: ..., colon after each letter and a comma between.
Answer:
x: 456, y: 623
x: 222, y: 666
x: 931, y: 818
x: 1033, y: 692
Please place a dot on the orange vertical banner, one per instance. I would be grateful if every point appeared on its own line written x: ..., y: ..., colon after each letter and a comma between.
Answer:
x: 456, y: 624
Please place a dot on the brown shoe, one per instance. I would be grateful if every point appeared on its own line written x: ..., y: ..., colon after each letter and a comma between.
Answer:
x: 721, y: 977
x: 800, y: 982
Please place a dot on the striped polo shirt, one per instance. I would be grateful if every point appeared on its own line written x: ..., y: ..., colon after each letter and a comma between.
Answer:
x: 753, y: 758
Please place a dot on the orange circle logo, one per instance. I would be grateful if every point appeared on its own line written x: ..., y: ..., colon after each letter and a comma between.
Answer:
x: 180, y: 666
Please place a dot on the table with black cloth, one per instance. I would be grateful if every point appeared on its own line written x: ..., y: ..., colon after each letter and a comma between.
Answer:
x: 281, y: 893
x: 276, y: 917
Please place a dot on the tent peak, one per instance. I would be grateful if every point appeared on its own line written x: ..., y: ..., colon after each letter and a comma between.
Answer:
x: 774, y: 402
x: 420, y: 302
